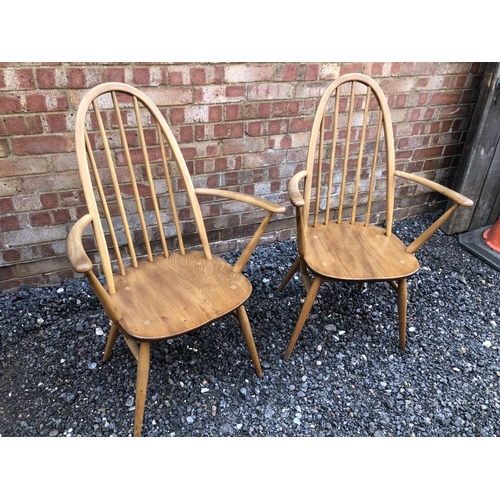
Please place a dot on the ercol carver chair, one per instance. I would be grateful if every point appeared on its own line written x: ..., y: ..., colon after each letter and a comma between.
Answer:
x: 124, y: 149
x: 346, y: 165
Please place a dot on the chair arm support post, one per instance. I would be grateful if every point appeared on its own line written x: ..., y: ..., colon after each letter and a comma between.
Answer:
x: 418, y: 242
x: 114, y: 314
x: 301, y: 236
x: 243, y: 259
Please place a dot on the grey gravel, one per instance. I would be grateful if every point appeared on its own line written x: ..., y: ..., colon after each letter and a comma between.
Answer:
x: 346, y: 375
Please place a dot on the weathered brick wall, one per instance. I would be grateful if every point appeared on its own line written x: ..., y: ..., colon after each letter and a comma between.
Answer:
x: 238, y: 124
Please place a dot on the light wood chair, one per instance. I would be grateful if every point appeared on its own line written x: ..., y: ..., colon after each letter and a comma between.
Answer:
x: 350, y: 166
x: 124, y: 149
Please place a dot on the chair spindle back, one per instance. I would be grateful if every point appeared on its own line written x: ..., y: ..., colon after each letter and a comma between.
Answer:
x: 124, y: 147
x: 350, y: 161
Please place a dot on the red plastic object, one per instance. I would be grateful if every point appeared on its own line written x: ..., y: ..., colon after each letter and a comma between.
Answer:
x: 492, y: 236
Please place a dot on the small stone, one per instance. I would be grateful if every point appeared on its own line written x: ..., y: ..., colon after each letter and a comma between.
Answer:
x: 189, y: 420
x: 99, y: 331
x: 53, y: 433
x: 487, y: 344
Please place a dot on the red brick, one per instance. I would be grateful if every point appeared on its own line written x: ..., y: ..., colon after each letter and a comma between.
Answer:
x: 49, y: 200
x: 6, y: 205
x: 25, y: 79
x: 301, y: 124
x: 288, y: 73
x: 76, y: 78
x: 42, y: 144
x: 245, y: 145
x: 40, y: 219
x: 186, y: 134
x: 254, y: 129
x: 200, y: 132
x: 197, y: 76
x: 23, y: 166
x: 6, y: 273
x: 288, y: 108
x: 56, y: 123
x: 445, y: 98
x: 141, y: 76
x: 177, y: 115
x: 115, y: 74
x: 215, y: 113
x: 9, y: 223
x: 418, y: 68
x: 36, y: 103
x: 24, y: 125
x: 46, y: 78
x: 175, y: 78
x: 11, y: 255
x: 10, y: 104
x: 427, y: 153
x: 61, y: 216
x: 351, y: 68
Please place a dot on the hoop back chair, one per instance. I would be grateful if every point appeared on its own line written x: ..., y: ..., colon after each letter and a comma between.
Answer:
x: 351, y: 166
x: 130, y: 165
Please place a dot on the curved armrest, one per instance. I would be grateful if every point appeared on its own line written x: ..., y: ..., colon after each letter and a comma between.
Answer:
x: 271, y: 206
x: 294, y: 193
x: 76, y: 253
x: 82, y: 264
x: 449, y: 193
x: 457, y: 198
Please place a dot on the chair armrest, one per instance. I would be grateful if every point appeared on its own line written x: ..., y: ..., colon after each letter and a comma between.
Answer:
x: 271, y: 206
x: 449, y: 193
x: 296, y: 198
x: 76, y: 253
x: 82, y: 264
x: 457, y: 198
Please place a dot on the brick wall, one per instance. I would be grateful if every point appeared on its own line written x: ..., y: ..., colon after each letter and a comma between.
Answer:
x: 244, y: 124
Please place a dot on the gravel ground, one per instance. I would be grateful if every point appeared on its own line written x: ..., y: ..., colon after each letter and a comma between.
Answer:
x: 346, y: 375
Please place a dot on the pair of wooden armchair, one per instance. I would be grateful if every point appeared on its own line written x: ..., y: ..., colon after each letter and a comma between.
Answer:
x: 156, y: 289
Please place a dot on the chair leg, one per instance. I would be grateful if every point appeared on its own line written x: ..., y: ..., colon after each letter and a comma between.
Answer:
x: 242, y: 316
x: 402, y: 305
x: 113, y: 334
x: 289, y: 275
x: 141, y: 387
x: 304, y: 313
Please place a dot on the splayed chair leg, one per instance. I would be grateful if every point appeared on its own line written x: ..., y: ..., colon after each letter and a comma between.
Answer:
x: 402, y: 306
x: 141, y: 387
x: 304, y: 313
x: 289, y: 275
x: 113, y: 334
x: 241, y: 314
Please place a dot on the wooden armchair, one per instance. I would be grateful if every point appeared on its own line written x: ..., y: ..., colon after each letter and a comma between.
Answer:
x: 123, y: 147
x: 350, y: 167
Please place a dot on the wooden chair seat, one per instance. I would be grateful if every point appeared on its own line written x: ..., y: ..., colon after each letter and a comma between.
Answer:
x: 355, y: 252
x: 171, y: 296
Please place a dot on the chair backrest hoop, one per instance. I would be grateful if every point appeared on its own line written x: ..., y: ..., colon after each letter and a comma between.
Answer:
x: 316, y: 141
